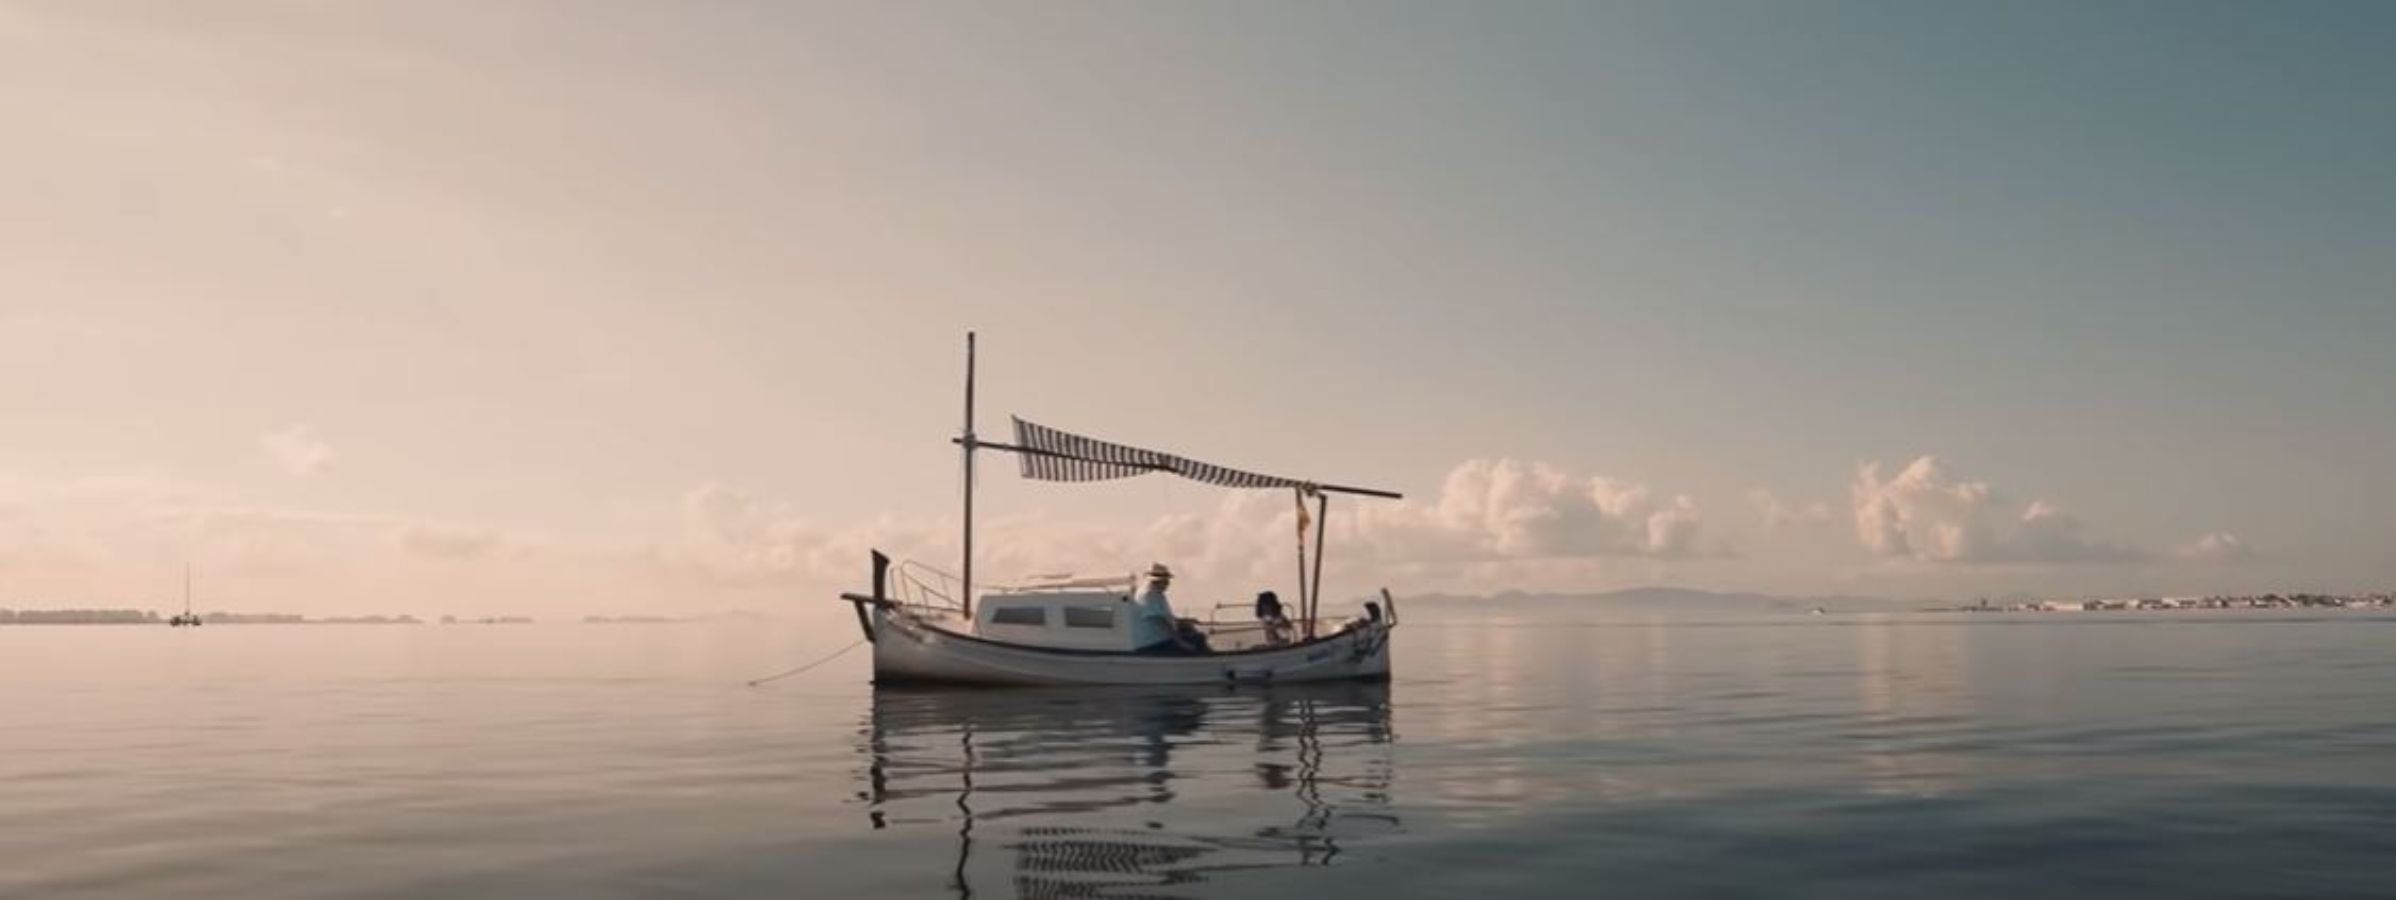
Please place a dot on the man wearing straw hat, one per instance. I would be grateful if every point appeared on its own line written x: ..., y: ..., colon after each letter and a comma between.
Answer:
x: 1153, y: 627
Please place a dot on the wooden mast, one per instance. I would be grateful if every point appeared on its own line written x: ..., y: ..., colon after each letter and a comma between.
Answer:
x: 967, y: 442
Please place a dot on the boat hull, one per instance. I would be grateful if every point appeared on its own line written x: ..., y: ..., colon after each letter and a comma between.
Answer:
x: 910, y: 651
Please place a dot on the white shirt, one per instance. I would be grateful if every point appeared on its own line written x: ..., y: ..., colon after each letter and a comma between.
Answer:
x: 1152, y: 621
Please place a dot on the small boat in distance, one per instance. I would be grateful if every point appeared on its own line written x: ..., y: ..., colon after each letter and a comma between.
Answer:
x: 929, y: 627
x: 187, y: 618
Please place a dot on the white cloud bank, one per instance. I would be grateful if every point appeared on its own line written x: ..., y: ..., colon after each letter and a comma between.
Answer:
x: 1781, y: 516
x: 1488, y: 511
x: 296, y: 449
x: 1493, y: 525
x: 1494, y: 509
x: 1926, y: 513
x: 2217, y: 547
x: 125, y: 539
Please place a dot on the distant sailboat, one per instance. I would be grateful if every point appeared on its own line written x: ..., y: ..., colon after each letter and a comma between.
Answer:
x: 188, y: 617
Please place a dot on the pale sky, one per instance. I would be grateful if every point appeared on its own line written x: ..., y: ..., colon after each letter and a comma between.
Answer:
x: 611, y: 306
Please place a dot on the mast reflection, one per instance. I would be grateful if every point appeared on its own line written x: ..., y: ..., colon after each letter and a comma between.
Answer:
x: 1130, y: 792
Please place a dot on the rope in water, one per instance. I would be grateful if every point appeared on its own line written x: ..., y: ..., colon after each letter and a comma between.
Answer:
x: 789, y: 672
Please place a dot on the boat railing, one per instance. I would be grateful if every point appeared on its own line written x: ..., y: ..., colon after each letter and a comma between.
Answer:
x: 1243, y: 618
x: 1123, y: 584
x: 926, y: 590
x: 1232, y: 626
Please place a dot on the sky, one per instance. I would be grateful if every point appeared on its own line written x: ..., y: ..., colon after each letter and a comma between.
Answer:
x: 555, y: 308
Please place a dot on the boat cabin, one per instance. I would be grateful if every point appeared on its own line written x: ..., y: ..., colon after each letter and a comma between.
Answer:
x: 1066, y: 618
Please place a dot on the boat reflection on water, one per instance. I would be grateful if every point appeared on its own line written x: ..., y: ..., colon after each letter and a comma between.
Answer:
x: 1101, y: 792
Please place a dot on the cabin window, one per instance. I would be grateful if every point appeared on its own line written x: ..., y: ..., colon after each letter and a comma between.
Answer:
x: 1021, y: 615
x: 1089, y: 617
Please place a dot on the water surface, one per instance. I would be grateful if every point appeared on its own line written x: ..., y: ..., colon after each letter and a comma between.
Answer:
x: 2192, y: 754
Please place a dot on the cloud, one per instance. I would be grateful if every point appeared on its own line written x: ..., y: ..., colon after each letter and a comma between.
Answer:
x: 129, y: 519
x: 1927, y: 514
x: 1492, y: 525
x: 729, y: 536
x: 298, y: 450
x: 124, y: 540
x: 1498, y: 519
x: 726, y: 537
x: 2219, y: 547
x: 449, y: 542
x: 1779, y: 516
x: 1489, y: 509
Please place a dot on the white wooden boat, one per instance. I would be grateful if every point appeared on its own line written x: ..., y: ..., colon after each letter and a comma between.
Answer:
x: 927, y: 627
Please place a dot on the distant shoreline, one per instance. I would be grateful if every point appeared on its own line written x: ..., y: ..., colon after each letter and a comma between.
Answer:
x: 2184, y: 604
x: 151, y: 617
x: 146, y: 617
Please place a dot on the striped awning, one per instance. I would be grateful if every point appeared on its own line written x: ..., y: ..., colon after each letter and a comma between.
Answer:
x: 1052, y: 455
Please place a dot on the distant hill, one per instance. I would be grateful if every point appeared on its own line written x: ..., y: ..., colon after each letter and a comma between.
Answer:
x: 1645, y: 601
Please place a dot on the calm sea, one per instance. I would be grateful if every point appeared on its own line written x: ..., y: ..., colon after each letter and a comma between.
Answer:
x: 2212, y: 755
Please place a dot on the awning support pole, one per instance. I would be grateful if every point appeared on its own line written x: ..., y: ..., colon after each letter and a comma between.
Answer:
x: 1300, y: 496
x: 1314, y: 596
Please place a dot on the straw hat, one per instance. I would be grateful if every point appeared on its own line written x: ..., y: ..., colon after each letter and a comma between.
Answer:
x: 1158, y: 570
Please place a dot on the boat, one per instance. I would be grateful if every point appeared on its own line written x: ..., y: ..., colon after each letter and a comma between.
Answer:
x: 187, y: 619
x: 927, y: 626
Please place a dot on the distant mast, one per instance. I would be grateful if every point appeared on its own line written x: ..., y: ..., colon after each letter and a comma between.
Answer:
x: 188, y: 617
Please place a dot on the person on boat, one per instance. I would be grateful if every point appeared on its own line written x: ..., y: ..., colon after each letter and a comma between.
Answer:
x: 1153, y: 626
x: 1275, y: 619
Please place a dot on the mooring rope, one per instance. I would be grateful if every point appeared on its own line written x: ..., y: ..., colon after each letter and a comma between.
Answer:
x: 787, y: 673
